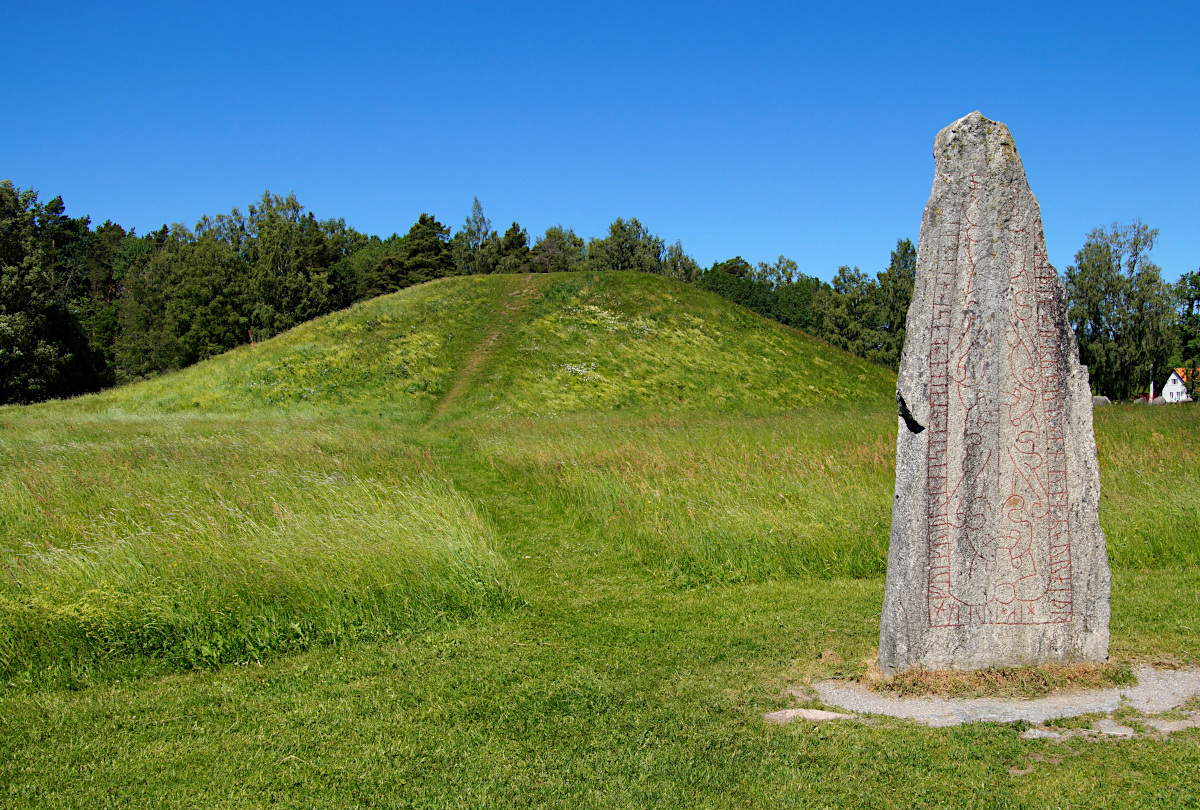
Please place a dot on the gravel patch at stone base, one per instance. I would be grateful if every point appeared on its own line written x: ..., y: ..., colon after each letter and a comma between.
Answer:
x: 1156, y: 691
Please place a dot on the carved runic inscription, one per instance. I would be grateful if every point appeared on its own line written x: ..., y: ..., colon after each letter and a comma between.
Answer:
x: 999, y: 544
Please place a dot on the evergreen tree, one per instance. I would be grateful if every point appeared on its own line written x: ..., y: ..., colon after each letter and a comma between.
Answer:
x: 426, y: 255
x: 852, y: 321
x: 139, y: 308
x: 96, y: 299
x: 288, y: 258
x: 628, y: 246
x: 801, y: 302
x: 352, y: 276
x: 559, y: 250
x: 895, y: 292
x: 514, y: 251
x: 736, y: 280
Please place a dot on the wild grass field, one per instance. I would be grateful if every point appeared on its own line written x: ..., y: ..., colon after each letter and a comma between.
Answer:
x: 540, y: 541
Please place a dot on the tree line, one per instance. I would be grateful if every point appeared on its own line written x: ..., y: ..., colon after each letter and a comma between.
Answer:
x: 84, y: 308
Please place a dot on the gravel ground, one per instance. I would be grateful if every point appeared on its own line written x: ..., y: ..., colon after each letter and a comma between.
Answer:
x: 1156, y: 691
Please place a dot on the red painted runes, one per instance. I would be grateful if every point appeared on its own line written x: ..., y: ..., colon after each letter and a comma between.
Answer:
x: 998, y: 517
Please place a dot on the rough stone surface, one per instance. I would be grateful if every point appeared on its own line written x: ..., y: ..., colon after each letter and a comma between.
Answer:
x: 996, y: 555
x: 1156, y: 691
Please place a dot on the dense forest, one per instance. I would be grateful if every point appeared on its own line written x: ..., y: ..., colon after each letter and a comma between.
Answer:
x: 83, y: 308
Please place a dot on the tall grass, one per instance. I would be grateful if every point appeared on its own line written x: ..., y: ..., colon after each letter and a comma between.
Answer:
x: 810, y: 493
x: 187, y: 543
x: 807, y: 493
x: 1150, y: 484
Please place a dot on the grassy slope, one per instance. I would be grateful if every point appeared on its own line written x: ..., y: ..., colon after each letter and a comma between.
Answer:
x: 631, y: 343
x: 657, y: 601
x: 562, y: 343
x: 392, y: 356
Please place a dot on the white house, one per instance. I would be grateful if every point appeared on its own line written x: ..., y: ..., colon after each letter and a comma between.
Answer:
x: 1176, y: 388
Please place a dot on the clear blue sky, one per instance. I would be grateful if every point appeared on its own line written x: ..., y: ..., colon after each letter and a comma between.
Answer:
x: 751, y: 129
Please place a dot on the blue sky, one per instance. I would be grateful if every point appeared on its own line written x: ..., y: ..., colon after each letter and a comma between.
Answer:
x: 752, y: 129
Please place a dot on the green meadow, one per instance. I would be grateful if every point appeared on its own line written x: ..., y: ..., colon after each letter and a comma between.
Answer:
x: 517, y: 541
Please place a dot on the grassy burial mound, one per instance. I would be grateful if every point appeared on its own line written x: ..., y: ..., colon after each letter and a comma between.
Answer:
x: 533, y: 345
x: 630, y: 343
x: 393, y: 355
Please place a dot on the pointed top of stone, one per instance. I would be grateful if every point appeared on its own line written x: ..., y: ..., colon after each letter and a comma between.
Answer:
x: 971, y: 127
x: 975, y: 146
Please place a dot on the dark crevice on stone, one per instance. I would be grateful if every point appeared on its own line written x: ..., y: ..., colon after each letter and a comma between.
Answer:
x: 913, y: 425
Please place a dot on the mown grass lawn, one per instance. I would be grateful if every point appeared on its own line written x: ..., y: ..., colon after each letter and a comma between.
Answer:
x: 595, y: 608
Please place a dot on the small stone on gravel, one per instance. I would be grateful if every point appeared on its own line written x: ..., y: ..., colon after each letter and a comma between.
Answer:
x: 1113, y: 729
x: 812, y: 715
x: 1165, y: 726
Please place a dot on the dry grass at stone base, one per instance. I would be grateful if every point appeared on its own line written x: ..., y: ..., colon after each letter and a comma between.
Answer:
x: 1000, y: 682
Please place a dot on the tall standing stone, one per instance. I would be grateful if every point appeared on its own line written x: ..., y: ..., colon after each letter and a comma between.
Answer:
x: 996, y: 557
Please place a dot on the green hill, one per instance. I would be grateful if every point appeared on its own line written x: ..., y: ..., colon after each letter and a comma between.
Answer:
x: 533, y: 345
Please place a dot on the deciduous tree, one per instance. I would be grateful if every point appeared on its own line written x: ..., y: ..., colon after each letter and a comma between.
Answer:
x: 679, y: 265
x: 469, y: 241
x: 43, y: 351
x: 1121, y: 310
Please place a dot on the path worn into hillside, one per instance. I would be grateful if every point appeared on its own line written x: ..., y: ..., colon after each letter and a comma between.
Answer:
x: 515, y: 294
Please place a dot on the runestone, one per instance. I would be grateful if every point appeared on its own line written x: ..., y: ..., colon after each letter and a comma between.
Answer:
x: 996, y: 555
